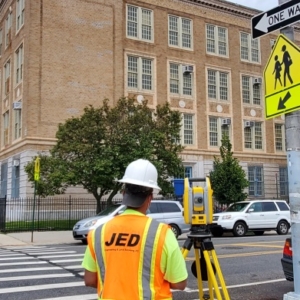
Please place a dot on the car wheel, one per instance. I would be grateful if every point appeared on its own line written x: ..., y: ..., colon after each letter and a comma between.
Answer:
x: 239, y: 229
x: 217, y: 232
x: 175, y: 230
x: 282, y: 227
x: 84, y: 242
x: 259, y: 232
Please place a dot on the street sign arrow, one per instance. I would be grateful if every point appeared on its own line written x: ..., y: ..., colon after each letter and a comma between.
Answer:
x: 276, y: 18
x: 281, y: 104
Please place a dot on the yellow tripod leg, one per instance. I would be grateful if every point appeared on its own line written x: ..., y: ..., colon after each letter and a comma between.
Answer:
x: 220, y: 275
x: 184, y: 252
x: 211, y: 275
x: 199, y: 277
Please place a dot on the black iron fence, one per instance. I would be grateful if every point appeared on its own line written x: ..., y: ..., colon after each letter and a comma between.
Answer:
x: 45, y: 214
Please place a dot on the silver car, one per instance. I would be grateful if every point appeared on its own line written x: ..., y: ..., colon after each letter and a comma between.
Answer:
x: 164, y: 211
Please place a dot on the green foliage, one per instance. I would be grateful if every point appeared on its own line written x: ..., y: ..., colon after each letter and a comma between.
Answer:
x: 93, y: 150
x: 228, y: 179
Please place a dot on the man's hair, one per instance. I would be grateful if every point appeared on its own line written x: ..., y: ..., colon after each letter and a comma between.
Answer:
x: 139, y: 191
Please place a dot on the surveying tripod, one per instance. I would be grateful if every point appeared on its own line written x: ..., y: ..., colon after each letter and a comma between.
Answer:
x: 206, y: 265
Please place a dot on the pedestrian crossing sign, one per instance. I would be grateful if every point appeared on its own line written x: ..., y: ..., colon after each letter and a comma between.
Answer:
x: 282, y: 78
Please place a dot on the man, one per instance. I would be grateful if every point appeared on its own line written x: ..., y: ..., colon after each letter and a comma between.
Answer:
x: 133, y: 257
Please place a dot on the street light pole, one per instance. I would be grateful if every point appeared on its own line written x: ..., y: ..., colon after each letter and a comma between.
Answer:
x: 292, y: 133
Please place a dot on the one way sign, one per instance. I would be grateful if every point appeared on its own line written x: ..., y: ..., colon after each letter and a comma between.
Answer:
x: 276, y: 18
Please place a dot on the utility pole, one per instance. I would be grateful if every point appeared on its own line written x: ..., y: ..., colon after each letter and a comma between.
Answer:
x: 292, y: 133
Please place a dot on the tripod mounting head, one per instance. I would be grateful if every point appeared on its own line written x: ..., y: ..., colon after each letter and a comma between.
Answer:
x: 197, y: 202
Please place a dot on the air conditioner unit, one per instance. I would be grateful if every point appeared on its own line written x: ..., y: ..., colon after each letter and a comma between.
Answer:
x: 257, y: 80
x: 187, y: 69
x: 17, y: 105
x: 226, y: 121
x: 16, y: 162
x: 249, y: 123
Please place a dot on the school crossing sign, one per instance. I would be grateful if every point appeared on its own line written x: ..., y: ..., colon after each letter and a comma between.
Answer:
x: 282, y: 78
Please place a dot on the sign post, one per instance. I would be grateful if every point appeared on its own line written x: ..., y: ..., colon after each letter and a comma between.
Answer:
x: 36, y: 179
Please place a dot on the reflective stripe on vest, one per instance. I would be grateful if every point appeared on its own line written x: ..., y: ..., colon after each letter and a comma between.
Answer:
x: 147, y: 257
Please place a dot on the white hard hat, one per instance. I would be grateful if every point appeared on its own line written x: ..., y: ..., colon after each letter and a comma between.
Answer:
x: 141, y: 172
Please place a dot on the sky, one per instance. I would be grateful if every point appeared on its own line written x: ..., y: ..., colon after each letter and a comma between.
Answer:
x: 262, y: 5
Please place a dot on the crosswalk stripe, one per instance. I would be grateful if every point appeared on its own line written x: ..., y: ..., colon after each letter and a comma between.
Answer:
x: 44, y: 276
x: 22, y: 263
x: 17, y: 254
x: 58, y: 256
x: 31, y: 269
x: 50, y: 252
x: 73, y: 267
x: 17, y: 258
x: 40, y: 287
x: 65, y: 260
x: 81, y: 297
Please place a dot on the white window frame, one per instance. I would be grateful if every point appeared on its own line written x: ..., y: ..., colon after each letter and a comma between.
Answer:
x: 17, y: 123
x: 215, y: 41
x: 216, y: 133
x: 185, y: 82
x: 180, y: 32
x: 5, y: 122
x: 6, y: 78
x: 253, y: 97
x: 188, y: 129
x: 20, y: 11
x: 139, y: 72
x: 19, y: 64
x: 255, y: 137
x: 8, y: 23
x: 250, y: 48
x: 1, y: 41
x: 139, y: 24
x: 279, y: 134
x: 218, y: 86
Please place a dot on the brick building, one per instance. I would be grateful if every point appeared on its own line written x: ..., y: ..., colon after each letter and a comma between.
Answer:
x: 58, y: 56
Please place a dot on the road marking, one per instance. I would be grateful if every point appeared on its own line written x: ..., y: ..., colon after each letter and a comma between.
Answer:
x: 22, y: 263
x: 37, y: 277
x: 50, y: 252
x: 73, y: 267
x: 30, y: 269
x: 65, y: 260
x: 3, y: 255
x: 58, y: 256
x: 41, y: 287
x: 18, y: 258
x: 242, y: 254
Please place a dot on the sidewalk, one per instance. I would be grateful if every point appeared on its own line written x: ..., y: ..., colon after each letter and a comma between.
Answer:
x: 39, y: 238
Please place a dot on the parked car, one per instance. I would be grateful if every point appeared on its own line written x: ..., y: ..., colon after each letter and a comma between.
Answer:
x: 253, y: 215
x: 287, y: 260
x: 165, y: 211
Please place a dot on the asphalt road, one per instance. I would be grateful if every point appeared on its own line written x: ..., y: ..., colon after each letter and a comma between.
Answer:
x: 250, y: 266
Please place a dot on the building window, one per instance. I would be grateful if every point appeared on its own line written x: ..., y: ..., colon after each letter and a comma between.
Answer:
x: 250, y: 49
x: 3, y: 180
x: 15, y: 181
x: 279, y: 137
x: 20, y: 13
x: 188, y: 172
x: 180, y: 32
x: 139, y: 73
x: 217, y: 85
x: 255, y: 178
x: 217, y: 130
x: 139, y: 23
x: 8, y: 30
x: 5, y: 127
x: 7, y: 78
x: 188, y: 129
x: 18, y: 123
x: 283, y: 181
x: 1, y: 38
x: 19, y: 66
x: 251, y: 91
x: 181, y: 83
x: 216, y: 40
x: 253, y: 135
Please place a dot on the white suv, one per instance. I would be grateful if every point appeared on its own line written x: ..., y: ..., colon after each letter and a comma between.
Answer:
x: 256, y: 215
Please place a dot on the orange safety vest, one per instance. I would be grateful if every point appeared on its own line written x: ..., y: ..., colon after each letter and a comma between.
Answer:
x: 128, y: 251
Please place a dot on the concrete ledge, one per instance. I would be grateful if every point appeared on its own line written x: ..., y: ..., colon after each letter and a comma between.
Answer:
x: 291, y: 296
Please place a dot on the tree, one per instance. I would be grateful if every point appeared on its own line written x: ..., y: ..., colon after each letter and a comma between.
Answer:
x: 228, y: 179
x: 93, y: 150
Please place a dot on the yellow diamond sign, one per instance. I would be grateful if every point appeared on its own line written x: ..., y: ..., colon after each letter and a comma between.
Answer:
x: 282, y: 78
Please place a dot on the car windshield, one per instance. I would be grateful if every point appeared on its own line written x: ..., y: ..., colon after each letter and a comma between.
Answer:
x: 108, y: 210
x: 237, y: 207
